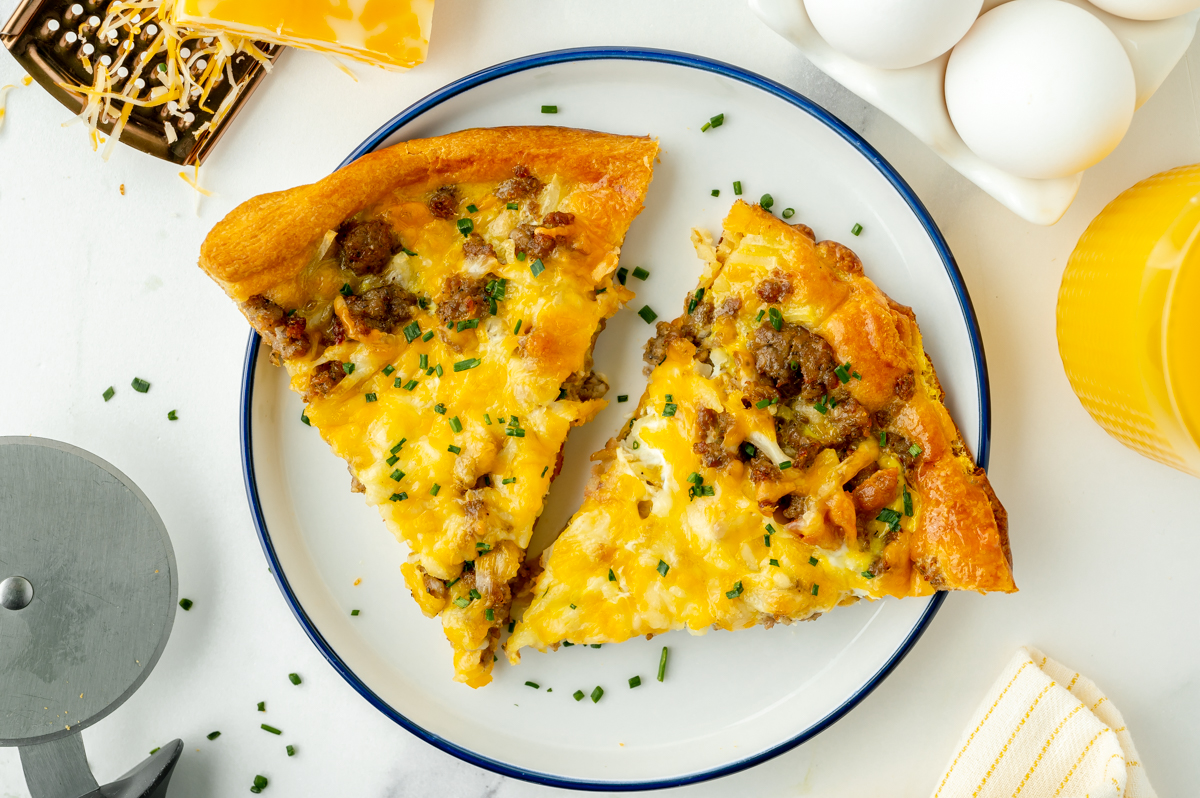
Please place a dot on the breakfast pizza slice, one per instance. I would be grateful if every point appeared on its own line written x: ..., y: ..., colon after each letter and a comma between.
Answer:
x: 791, y: 454
x: 436, y: 304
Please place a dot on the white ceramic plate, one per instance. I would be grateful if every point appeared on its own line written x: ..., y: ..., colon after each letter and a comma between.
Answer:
x: 714, y: 713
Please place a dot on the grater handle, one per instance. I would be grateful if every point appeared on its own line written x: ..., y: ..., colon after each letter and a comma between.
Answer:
x: 59, y: 769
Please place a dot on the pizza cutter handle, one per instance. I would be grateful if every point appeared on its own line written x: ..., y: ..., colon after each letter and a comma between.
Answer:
x: 59, y: 769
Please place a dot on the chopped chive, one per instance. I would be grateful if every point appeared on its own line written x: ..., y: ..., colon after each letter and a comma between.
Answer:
x: 758, y: 318
x: 462, y: 602
x: 213, y: 735
x: 549, y: 109
x: 434, y: 490
x: 640, y: 273
x: 889, y: 517
x: 822, y: 406
x: 716, y: 192
x: 515, y: 432
x: 455, y: 424
x: 622, y: 275
x: 412, y: 330
x: 635, y: 445
x: 371, y: 398
x: 409, y: 253
x: 706, y: 490
x: 172, y: 416
x: 536, y: 267
x: 388, y: 369
x: 427, y: 336
x: 534, y: 685
x: 108, y: 394
x: 669, y: 409
x: 424, y: 361
x: 568, y: 643
x: 856, y: 229
x: 512, y: 206
x: 704, y: 128
x: 472, y: 209
x: 397, y: 475
x: 466, y: 324
x: 812, y: 560
x: 512, y: 625
x: 408, y: 386
x: 914, y: 450
x: 392, y: 460
x: 259, y: 783
x: 908, y: 502
x: 600, y: 291
x: 440, y: 409
x: 354, y: 613
x: 517, y: 329
x: 597, y: 694
x: 467, y: 365
x: 762, y: 403
x: 508, y: 481
x: 775, y: 563
x: 465, y: 226
x: 348, y: 368
x: 815, y: 589
x: 748, y: 449
x: 490, y: 614
x: 767, y: 541
x: 647, y: 314
x: 785, y: 465
x: 695, y: 478
x: 544, y: 470
x: 186, y: 603
x: 487, y: 419
x: 663, y: 568
x: 262, y: 706
x: 521, y: 256
x: 737, y: 187
x: 624, y: 397
x: 574, y: 607
x: 271, y: 729
x: 695, y: 300
x: 770, y: 529
x: 775, y: 317
x: 662, y: 664
x: 883, y: 437
x: 454, y: 581
x: 766, y: 201
x: 868, y: 575
x: 438, y: 369
x: 635, y: 681
x: 291, y: 750
x: 140, y: 385
x: 454, y: 449
x: 346, y: 290
x: 788, y: 213
x: 294, y: 678
x: 611, y: 576
x: 578, y: 694
x: 155, y: 750
x: 473, y: 593
x: 398, y: 497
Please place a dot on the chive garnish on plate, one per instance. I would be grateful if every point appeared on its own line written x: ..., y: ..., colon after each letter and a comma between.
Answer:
x: 647, y: 314
x: 271, y: 729
x: 108, y: 394
x: 140, y: 385
x: 294, y: 678
x: 662, y: 664
x: 186, y: 603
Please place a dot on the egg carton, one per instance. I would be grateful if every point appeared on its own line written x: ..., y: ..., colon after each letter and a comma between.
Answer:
x: 916, y: 98
x: 61, y: 43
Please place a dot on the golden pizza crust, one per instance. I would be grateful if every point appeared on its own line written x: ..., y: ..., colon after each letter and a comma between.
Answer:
x: 446, y: 365
x: 683, y: 527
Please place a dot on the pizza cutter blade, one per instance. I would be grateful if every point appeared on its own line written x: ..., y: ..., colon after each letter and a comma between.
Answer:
x: 87, y: 598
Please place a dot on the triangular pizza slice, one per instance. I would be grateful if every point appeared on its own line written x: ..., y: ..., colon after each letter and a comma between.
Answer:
x: 791, y: 454
x: 436, y: 304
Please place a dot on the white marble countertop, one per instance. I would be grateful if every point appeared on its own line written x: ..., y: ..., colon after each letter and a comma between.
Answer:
x: 88, y: 305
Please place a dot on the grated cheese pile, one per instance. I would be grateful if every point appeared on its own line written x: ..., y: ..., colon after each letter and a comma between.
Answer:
x: 197, y: 62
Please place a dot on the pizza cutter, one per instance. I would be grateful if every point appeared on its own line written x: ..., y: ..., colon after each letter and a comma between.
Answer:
x: 87, y: 599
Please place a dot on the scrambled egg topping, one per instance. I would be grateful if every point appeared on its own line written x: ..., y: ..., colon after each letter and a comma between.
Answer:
x: 665, y: 542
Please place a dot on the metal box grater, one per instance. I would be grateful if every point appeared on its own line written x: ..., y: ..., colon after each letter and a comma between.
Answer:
x: 61, y: 45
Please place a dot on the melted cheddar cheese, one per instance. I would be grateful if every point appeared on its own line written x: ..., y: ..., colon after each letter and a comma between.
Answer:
x: 666, y: 540
x: 452, y: 429
x: 393, y: 34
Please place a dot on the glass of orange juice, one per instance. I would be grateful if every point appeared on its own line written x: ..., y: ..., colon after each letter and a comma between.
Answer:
x: 1129, y: 318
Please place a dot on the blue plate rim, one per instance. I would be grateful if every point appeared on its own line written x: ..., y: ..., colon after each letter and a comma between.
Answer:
x: 694, y: 62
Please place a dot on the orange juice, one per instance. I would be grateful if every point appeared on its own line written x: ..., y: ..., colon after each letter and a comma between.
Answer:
x: 1129, y: 318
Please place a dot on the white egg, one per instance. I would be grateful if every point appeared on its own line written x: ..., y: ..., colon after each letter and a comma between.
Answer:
x: 1147, y: 9
x: 1040, y: 88
x: 892, y: 34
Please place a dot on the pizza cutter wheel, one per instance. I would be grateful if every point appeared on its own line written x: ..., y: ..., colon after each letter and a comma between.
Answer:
x: 87, y: 599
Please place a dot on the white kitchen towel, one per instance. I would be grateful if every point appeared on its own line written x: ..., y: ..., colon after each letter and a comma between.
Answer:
x: 1044, y: 731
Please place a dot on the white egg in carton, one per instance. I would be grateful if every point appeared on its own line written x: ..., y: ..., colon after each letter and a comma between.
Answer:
x: 916, y: 98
